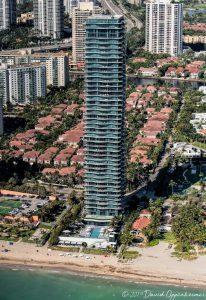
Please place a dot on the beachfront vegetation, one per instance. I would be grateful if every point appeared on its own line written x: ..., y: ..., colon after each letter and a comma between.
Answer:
x: 63, y: 222
x: 152, y: 231
x: 153, y: 243
x: 14, y: 232
x: 65, y: 249
x: 168, y: 237
x: 49, y: 213
x: 188, y: 227
x: 94, y: 251
x: 126, y: 254
x: 126, y: 237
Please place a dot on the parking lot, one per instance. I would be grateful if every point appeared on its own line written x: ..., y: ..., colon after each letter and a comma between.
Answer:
x: 18, y: 205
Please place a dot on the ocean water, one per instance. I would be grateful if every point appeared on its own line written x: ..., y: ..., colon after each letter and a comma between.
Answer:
x: 16, y: 284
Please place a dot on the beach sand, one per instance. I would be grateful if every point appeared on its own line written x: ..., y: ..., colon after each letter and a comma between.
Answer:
x: 154, y: 265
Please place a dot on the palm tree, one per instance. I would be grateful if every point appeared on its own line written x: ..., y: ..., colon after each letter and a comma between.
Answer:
x: 172, y: 184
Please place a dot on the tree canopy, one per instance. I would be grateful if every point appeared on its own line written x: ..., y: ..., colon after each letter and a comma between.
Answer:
x: 188, y: 226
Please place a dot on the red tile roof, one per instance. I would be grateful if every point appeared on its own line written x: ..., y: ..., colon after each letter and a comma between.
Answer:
x: 49, y: 171
x: 31, y: 154
x: 77, y: 159
x: 25, y: 147
x: 80, y: 151
x: 150, y: 109
x: 68, y: 150
x: 57, y: 110
x: 138, y: 59
x: 148, y: 141
x: 43, y: 158
x: 61, y: 105
x: 52, y: 150
x: 71, y: 108
x: 71, y: 137
x: 61, y: 158
x: 141, y: 223
x: 81, y: 172
x: 67, y: 171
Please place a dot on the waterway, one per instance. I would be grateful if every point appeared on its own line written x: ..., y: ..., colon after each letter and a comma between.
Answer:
x: 17, y: 284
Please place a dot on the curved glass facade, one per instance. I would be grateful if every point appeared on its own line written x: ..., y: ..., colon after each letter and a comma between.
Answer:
x: 105, y: 85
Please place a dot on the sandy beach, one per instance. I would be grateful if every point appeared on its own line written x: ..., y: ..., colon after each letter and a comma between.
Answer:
x: 154, y: 265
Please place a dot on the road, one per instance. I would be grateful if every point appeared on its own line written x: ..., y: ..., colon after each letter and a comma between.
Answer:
x: 120, y: 10
x: 44, y: 47
x: 141, y: 189
x: 137, y: 23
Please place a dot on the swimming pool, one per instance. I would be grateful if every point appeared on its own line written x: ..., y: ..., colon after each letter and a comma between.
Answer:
x: 95, y: 232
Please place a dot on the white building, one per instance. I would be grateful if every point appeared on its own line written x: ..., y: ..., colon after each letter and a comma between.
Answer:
x: 186, y: 150
x: 57, y: 67
x: 202, y: 89
x: 203, y: 99
x: 22, y: 84
x: 49, y: 17
x: 57, y: 64
x: 1, y: 115
x: 69, y: 5
x: 199, y: 122
x: 7, y: 13
x: 136, y: 2
x: 164, y: 23
x: 79, y: 16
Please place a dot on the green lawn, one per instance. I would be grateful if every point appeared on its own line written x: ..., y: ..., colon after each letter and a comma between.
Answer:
x: 9, y: 239
x: 153, y: 243
x: 7, y: 205
x: 197, y: 6
x: 200, y: 6
x: 168, y: 237
x: 65, y: 249
x: 96, y: 251
x: 130, y: 254
x: 199, y: 144
x: 4, y: 210
x: 45, y: 226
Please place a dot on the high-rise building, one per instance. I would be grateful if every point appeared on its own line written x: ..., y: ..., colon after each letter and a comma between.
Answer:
x: 49, y: 17
x: 1, y: 104
x: 164, y: 21
x: 7, y: 13
x: 57, y: 64
x: 104, y: 140
x: 69, y: 5
x: 22, y: 84
x: 1, y: 118
x: 57, y: 67
x: 136, y: 2
x: 79, y: 17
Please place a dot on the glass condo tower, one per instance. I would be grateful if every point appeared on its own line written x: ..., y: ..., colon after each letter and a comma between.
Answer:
x: 104, y: 140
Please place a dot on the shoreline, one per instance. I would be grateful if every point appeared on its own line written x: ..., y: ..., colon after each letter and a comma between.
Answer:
x: 155, y: 265
x: 163, y: 78
x: 102, y: 272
